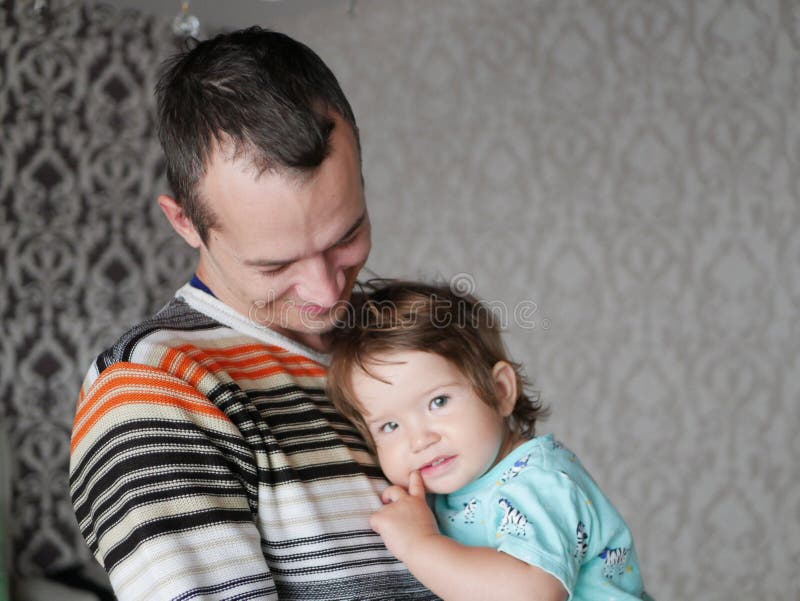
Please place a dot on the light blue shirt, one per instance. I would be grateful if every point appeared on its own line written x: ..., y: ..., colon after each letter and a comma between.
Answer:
x: 540, y: 505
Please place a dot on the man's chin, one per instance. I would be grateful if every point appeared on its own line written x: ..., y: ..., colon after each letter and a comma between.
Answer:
x: 304, y: 326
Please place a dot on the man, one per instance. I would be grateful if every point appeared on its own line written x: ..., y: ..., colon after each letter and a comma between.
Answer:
x: 206, y: 461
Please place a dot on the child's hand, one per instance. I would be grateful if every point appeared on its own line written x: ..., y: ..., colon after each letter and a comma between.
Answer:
x: 405, y: 518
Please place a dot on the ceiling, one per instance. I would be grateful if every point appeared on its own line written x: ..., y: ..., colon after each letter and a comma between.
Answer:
x: 216, y: 15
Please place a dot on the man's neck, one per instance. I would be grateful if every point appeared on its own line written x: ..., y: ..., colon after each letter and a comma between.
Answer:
x: 316, y: 342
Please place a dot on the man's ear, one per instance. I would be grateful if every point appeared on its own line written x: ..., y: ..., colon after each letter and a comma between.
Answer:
x: 505, y: 386
x: 179, y: 221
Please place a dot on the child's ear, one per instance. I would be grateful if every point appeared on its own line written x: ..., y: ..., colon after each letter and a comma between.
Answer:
x: 505, y: 386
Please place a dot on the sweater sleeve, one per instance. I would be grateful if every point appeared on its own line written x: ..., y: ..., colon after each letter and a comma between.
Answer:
x: 164, y: 488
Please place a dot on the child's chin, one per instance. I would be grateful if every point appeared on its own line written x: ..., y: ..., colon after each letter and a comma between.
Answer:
x: 442, y: 488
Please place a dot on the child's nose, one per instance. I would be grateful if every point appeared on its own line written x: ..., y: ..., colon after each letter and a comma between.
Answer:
x: 423, y: 439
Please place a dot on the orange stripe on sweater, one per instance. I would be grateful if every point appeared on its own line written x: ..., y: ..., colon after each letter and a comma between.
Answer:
x: 246, y: 349
x: 249, y: 349
x: 254, y: 363
x: 255, y: 359
x: 126, y: 374
x: 251, y: 354
x: 184, y: 367
x: 271, y: 370
x: 102, y: 398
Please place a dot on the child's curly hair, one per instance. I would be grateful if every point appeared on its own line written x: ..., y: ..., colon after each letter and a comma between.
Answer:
x: 394, y: 315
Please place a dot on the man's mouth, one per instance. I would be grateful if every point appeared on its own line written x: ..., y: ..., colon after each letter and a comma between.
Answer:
x: 313, y: 310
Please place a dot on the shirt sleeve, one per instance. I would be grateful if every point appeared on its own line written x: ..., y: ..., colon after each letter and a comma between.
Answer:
x: 542, y: 518
x: 165, y: 490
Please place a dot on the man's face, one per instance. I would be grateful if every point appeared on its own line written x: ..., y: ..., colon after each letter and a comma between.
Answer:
x: 285, y: 251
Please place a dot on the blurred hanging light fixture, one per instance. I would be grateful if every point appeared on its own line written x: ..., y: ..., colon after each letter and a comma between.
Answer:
x: 45, y: 12
x: 185, y: 24
x: 40, y: 8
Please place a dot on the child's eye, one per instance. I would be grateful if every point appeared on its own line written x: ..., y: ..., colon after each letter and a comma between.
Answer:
x: 438, y: 402
x: 389, y: 427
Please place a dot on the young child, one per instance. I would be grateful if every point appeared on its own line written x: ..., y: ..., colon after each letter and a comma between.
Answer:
x: 423, y: 374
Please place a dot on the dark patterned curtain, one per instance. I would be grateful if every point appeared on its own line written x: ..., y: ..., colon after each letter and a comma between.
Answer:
x: 84, y: 249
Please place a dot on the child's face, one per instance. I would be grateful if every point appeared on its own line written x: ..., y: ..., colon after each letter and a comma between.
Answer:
x: 426, y: 416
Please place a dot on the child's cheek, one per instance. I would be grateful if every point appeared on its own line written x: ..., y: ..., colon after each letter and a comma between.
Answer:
x: 393, y: 464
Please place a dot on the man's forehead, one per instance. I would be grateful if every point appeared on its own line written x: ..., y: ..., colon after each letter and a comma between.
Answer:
x: 276, y: 217
x: 248, y: 159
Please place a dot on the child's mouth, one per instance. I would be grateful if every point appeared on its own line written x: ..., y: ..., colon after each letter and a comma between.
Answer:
x: 437, y: 464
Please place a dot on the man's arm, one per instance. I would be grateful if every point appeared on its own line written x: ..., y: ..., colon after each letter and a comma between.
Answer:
x: 163, y: 488
x: 454, y: 571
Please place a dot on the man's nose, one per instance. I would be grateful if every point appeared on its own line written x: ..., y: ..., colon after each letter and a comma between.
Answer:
x: 320, y: 281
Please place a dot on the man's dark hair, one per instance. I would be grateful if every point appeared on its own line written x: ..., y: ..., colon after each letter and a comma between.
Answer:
x: 254, y: 92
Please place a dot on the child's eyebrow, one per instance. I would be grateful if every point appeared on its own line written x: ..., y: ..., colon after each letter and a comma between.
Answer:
x: 376, y: 422
x: 430, y: 392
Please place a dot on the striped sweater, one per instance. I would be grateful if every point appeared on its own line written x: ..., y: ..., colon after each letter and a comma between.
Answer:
x: 206, y: 463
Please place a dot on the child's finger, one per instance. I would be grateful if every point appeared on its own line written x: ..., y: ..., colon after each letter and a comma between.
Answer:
x: 416, y: 487
x: 391, y: 494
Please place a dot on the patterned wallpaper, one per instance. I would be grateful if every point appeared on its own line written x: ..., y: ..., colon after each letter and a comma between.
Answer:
x: 621, y: 178
x: 84, y: 251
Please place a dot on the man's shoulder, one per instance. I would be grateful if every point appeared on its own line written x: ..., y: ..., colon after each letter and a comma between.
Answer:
x: 180, y: 334
x: 168, y: 327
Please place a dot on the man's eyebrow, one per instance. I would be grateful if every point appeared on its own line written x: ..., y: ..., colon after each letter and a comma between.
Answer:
x: 270, y: 263
x: 359, y: 222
